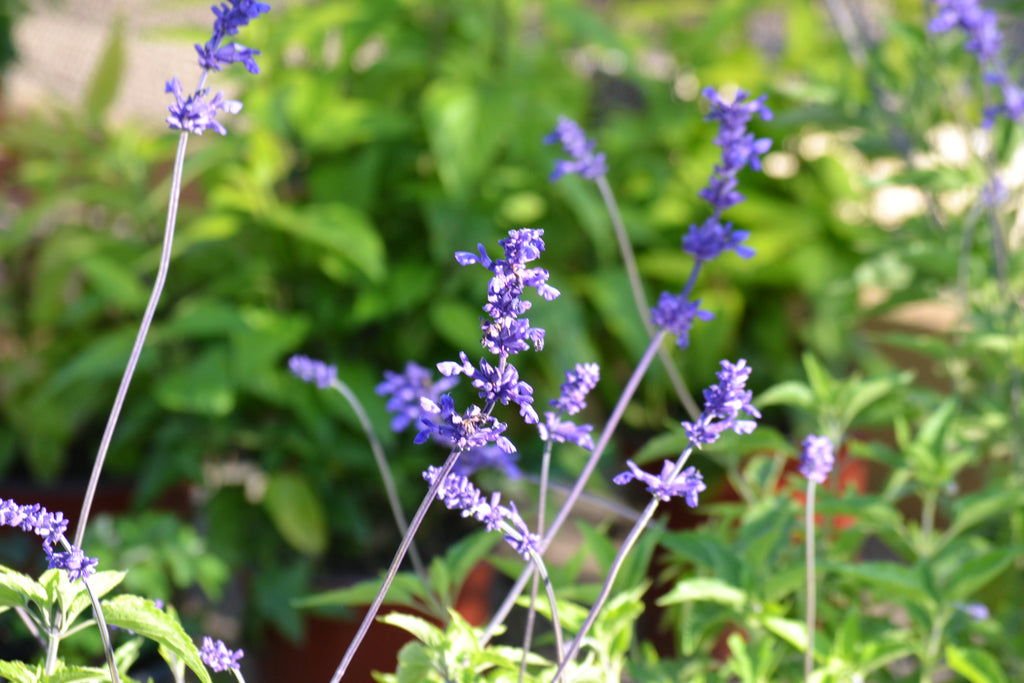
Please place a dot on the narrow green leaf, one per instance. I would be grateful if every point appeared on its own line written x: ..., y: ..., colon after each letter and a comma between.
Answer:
x: 975, y: 664
x: 139, y: 615
x: 419, y: 627
x: 17, y: 589
x: 107, y: 77
x: 297, y: 512
x: 976, y: 573
x: 704, y: 589
x: 822, y: 383
x: 76, y: 674
x: 791, y: 393
x: 101, y: 583
x: 19, y: 672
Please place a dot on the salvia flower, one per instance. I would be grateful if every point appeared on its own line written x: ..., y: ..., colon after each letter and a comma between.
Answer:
x: 51, y: 526
x: 217, y: 656
x: 458, y: 493
x: 405, y: 389
x: 723, y: 404
x: 676, y: 313
x: 574, y: 141
x: 578, y: 383
x: 816, y: 458
x: 197, y: 112
x: 471, y: 429
x: 496, y: 384
x: 688, y: 483
x: 314, y: 371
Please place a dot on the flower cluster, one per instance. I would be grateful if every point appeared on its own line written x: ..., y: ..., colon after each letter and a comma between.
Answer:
x: 723, y: 403
x: 196, y: 113
x: 51, y: 526
x: 458, y: 493
x: 505, y: 334
x: 575, y: 143
x: 578, y: 383
x: 217, y: 656
x: 688, y: 483
x: 706, y: 242
x: 985, y: 41
x: 816, y: 458
x: 405, y: 389
x: 311, y: 370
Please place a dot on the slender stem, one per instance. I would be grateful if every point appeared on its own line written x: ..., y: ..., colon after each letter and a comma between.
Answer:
x: 54, y: 641
x: 403, y: 547
x: 26, y: 618
x: 542, y: 496
x: 929, y: 505
x: 140, y: 339
x: 581, y: 482
x: 238, y: 675
x: 385, y: 474
x: 811, y: 582
x: 556, y: 623
x: 639, y: 298
x: 620, y: 559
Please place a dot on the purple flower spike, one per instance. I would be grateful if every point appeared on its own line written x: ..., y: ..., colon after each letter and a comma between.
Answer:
x: 215, y: 58
x: 578, y: 383
x: 472, y: 429
x: 676, y: 314
x: 688, y: 483
x: 817, y: 458
x: 405, y: 390
x: 458, y: 493
x: 723, y: 404
x: 310, y: 370
x: 217, y: 656
x: 51, y: 526
x: 575, y: 143
x: 193, y: 113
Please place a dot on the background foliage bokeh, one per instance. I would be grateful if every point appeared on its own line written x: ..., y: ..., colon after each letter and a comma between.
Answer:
x: 382, y: 136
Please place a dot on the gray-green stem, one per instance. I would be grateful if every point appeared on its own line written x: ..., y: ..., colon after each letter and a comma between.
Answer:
x: 403, y: 548
x: 140, y: 340
x: 640, y: 299
x: 385, y: 474
x: 811, y: 580
x: 581, y: 482
x: 541, y: 513
x: 620, y: 558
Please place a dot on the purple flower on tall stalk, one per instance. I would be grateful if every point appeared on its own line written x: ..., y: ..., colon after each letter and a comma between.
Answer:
x: 676, y: 314
x: 458, y: 493
x: 723, y: 403
x: 195, y: 112
x: 505, y: 334
x: 816, y: 458
x: 217, y: 656
x: 578, y: 383
x: 688, y: 483
x: 405, y: 389
x: 574, y: 141
x: 985, y: 41
x: 51, y: 526
x: 311, y: 370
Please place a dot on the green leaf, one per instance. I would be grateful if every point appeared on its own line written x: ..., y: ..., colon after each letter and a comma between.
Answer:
x: 704, y: 589
x: 202, y: 387
x: 105, y: 80
x: 973, y: 509
x: 75, y: 674
x: 18, y: 672
x: 297, y: 512
x: 792, y: 631
x: 976, y: 573
x: 16, y: 590
x: 139, y: 615
x: 404, y: 590
x: 791, y: 393
x: 865, y: 393
x: 889, y: 578
x: 419, y: 627
x: 975, y: 664
x: 822, y: 383
x: 101, y: 583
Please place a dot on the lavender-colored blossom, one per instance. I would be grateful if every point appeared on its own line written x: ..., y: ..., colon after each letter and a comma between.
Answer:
x: 506, y: 333
x: 575, y: 143
x: 476, y: 459
x: 816, y: 458
x: 471, y: 429
x: 496, y: 385
x: 458, y: 493
x: 708, y: 240
x: 231, y: 18
x: 579, y: 382
x: 404, y: 391
x: 561, y: 431
x: 723, y: 403
x: 311, y: 370
x: 51, y: 526
x: 688, y: 483
x: 215, y: 58
x: 978, y: 611
x: 985, y: 41
x: 676, y: 313
x: 194, y: 113
x: 217, y: 656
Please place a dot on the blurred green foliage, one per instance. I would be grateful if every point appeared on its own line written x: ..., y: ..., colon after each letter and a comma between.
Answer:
x: 382, y: 136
